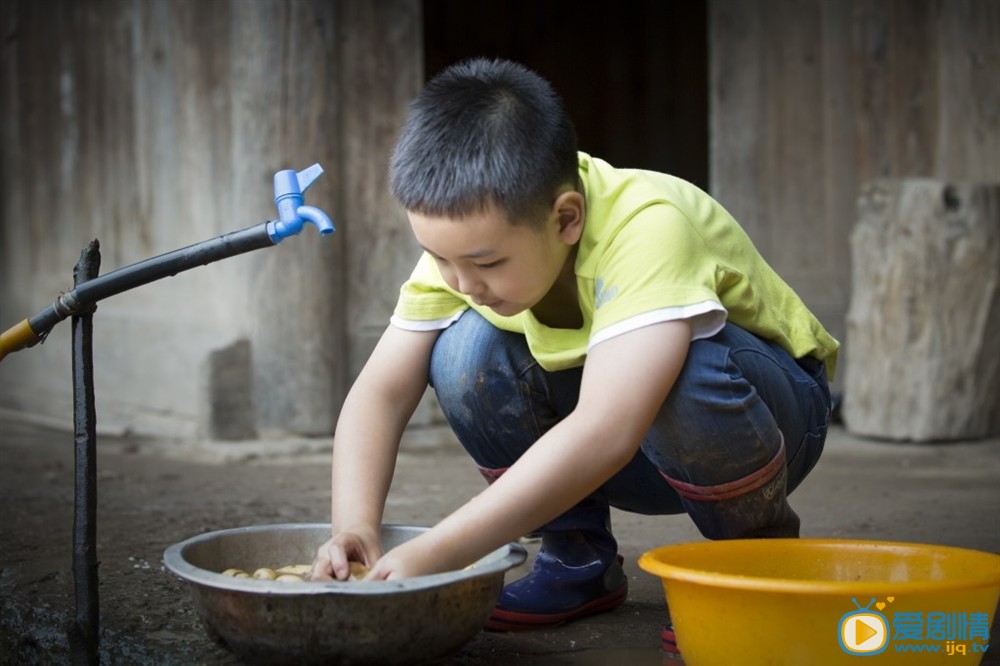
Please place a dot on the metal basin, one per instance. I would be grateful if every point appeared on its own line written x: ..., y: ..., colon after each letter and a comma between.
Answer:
x: 385, y: 622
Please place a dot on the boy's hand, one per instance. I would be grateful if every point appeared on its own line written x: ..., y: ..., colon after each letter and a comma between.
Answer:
x: 416, y: 557
x: 332, y: 558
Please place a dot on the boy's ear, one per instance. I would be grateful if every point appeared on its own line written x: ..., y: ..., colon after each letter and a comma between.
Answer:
x: 571, y: 212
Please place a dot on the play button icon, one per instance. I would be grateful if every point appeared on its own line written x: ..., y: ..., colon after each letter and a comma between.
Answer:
x: 863, y: 633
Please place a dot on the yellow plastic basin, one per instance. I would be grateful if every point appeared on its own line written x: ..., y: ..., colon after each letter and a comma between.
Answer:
x: 827, y: 601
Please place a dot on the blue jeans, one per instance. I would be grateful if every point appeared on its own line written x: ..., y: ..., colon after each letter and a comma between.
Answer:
x: 742, y: 426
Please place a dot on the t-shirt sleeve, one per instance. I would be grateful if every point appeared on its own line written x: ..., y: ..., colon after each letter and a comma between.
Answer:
x: 656, y: 268
x: 425, y: 301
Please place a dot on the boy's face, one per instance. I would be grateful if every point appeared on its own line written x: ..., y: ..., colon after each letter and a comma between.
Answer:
x: 505, y: 267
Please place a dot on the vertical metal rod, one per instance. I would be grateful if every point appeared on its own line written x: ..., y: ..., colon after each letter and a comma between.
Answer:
x: 83, y: 634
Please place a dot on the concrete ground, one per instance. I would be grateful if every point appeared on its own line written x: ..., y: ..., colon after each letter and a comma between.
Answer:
x: 154, y: 494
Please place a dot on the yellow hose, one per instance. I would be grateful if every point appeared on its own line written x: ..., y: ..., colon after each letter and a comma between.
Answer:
x: 16, y: 337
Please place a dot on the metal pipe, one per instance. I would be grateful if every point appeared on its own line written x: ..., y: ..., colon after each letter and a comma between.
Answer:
x: 30, y: 331
x: 172, y: 263
x: 84, y: 632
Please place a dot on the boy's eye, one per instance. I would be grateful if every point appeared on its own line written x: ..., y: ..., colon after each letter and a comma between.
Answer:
x: 491, y: 264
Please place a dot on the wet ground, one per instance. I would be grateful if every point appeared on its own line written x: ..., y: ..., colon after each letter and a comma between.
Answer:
x: 154, y: 494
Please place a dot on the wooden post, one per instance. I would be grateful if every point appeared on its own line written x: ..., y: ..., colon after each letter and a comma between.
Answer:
x: 84, y: 631
x: 923, y: 354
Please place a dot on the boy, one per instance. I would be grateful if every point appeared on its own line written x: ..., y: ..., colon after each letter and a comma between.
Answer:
x: 595, y: 336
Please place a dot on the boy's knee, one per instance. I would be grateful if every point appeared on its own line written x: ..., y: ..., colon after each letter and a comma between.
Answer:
x: 457, y: 350
x: 474, y: 359
x: 712, y: 422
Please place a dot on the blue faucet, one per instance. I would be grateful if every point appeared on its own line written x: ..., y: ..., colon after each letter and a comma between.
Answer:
x: 288, y: 189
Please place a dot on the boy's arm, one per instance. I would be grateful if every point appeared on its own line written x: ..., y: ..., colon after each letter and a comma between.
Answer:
x: 372, y: 419
x: 625, y: 381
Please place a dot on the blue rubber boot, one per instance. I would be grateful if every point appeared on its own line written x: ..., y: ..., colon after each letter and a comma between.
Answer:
x: 577, y: 572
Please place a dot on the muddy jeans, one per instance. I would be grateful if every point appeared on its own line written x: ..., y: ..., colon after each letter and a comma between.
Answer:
x: 742, y: 426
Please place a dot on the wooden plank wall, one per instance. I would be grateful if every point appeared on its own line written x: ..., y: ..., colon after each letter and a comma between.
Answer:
x: 812, y: 98
x: 154, y: 124
x: 377, y: 87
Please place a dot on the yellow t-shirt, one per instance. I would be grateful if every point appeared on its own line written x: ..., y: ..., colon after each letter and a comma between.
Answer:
x: 654, y: 248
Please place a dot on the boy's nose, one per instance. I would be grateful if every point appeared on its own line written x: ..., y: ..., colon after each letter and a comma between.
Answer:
x: 470, y: 285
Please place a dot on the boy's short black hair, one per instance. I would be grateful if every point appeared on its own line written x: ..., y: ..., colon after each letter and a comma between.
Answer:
x: 484, y: 132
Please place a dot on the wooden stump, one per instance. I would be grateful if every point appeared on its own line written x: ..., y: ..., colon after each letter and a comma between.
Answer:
x: 922, y: 352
